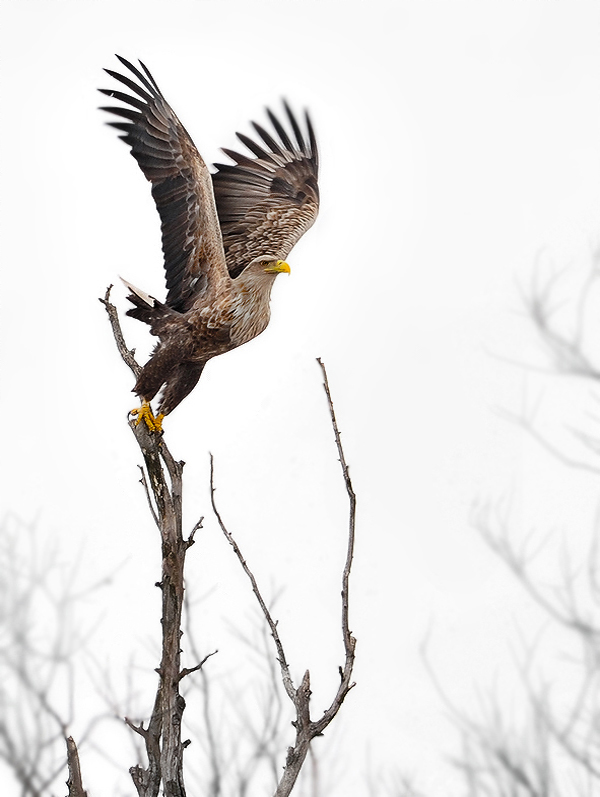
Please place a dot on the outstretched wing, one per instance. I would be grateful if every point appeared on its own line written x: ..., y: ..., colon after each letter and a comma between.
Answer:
x: 181, y: 187
x: 266, y: 203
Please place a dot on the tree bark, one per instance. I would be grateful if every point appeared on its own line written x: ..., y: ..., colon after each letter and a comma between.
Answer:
x: 74, y: 783
x: 162, y: 737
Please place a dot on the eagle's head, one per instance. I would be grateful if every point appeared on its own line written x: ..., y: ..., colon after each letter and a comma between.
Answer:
x: 266, y: 265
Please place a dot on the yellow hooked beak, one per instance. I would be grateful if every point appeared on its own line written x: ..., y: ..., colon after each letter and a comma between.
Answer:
x: 278, y: 267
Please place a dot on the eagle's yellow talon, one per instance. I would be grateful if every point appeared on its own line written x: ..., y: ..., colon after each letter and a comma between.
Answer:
x: 145, y: 413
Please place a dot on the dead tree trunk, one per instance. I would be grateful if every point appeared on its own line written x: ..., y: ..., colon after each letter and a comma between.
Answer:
x: 162, y: 481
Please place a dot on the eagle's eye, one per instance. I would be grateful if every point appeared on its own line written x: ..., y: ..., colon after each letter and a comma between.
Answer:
x: 265, y: 262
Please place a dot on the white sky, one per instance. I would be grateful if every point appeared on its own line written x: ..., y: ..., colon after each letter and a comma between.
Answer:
x: 458, y: 140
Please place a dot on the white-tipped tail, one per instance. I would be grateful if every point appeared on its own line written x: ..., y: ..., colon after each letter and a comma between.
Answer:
x: 139, y: 292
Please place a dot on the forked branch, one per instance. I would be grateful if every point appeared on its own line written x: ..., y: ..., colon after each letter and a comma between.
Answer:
x: 307, y: 729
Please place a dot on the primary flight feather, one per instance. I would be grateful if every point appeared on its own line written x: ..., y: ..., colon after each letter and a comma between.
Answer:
x: 225, y: 236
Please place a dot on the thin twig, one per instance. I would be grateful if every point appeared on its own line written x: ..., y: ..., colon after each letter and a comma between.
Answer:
x: 190, y: 540
x: 144, y: 484
x: 139, y: 729
x: 349, y: 641
x: 209, y: 733
x: 189, y: 670
x: 127, y: 355
x: 285, y: 670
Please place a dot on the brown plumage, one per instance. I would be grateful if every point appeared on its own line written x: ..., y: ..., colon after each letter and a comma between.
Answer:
x: 225, y: 236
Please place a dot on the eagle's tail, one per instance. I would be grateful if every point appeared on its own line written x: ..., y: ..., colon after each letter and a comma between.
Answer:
x: 148, y: 309
x: 138, y: 293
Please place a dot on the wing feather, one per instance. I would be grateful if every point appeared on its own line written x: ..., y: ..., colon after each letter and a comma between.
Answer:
x: 281, y: 131
x: 296, y: 128
x: 181, y: 186
x: 253, y: 146
x: 266, y: 203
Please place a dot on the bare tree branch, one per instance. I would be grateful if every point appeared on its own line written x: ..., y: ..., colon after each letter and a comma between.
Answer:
x: 74, y: 783
x: 566, y: 349
x: 306, y: 729
x: 162, y: 737
x: 127, y: 355
x: 285, y: 670
x: 349, y: 640
x: 36, y: 655
x: 190, y: 670
x: 214, y: 757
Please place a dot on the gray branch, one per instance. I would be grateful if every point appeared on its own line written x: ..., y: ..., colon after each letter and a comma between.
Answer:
x: 307, y: 729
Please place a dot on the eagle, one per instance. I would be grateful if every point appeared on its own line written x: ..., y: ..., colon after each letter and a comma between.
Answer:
x: 225, y: 235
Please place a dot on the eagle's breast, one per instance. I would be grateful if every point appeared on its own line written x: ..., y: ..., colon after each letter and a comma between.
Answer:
x: 248, y: 312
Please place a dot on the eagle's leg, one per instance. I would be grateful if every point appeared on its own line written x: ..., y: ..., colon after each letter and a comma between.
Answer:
x: 182, y: 380
x: 145, y: 413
